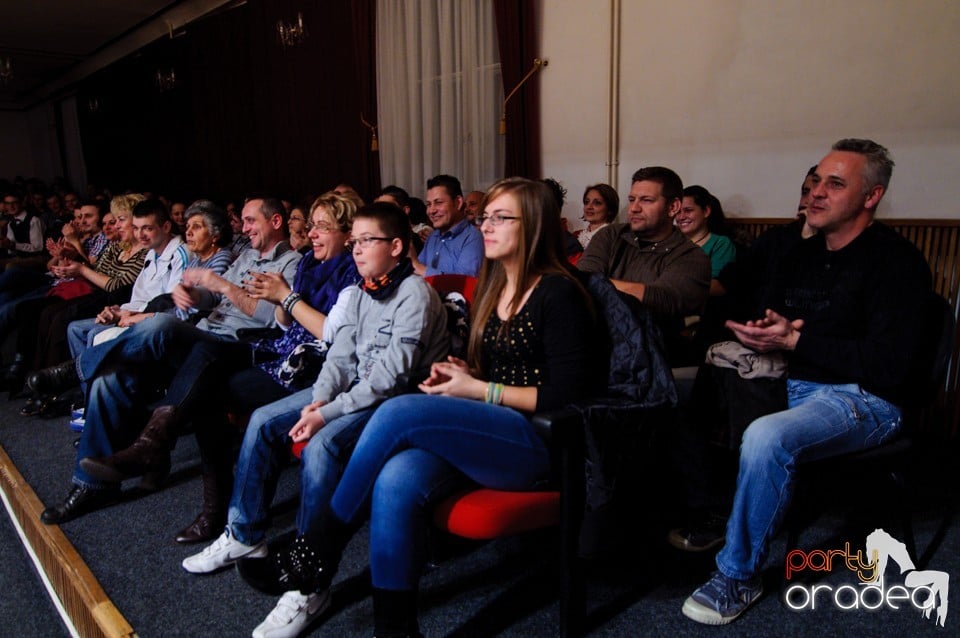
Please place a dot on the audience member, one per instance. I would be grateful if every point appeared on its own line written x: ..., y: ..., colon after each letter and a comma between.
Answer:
x: 471, y: 204
x: 600, y: 207
x: 701, y: 220
x: 24, y: 236
x: 844, y: 308
x: 455, y: 246
x: 648, y: 258
x: 297, y: 228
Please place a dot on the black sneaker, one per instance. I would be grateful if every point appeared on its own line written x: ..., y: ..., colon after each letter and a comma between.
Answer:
x: 703, y: 535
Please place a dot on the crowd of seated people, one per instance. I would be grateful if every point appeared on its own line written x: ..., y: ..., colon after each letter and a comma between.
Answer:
x: 390, y: 420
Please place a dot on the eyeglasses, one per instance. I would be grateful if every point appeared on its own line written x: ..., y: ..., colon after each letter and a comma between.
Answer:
x: 321, y: 228
x: 297, y: 219
x: 495, y: 219
x: 363, y: 242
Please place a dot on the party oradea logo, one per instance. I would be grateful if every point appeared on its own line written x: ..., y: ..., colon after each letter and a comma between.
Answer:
x: 923, y: 590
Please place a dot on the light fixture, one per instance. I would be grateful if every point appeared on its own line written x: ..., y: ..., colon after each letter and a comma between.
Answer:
x: 165, y: 79
x: 291, y: 34
x: 537, y: 65
x: 6, y: 69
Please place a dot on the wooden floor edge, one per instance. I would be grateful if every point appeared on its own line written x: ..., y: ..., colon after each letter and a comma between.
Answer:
x: 81, y: 596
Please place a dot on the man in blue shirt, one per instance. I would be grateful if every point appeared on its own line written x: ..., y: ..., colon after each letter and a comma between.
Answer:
x: 455, y: 246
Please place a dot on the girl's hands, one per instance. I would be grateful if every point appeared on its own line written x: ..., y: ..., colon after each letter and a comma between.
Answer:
x: 452, y: 378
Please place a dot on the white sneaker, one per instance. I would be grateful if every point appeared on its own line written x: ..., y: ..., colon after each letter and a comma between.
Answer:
x: 292, y: 615
x: 223, y: 552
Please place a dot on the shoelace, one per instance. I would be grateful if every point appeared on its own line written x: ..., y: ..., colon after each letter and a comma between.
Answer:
x: 216, y: 546
x: 723, y: 590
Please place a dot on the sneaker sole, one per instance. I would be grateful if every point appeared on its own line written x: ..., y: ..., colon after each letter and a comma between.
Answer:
x: 260, y: 551
x: 707, y: 616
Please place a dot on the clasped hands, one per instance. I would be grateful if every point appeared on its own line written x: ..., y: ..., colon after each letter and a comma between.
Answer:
x: 770, y: 332
x: 452, y: 378
x: 309, y: 424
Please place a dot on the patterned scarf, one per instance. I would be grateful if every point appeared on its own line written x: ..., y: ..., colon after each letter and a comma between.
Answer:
x: 384, y: 285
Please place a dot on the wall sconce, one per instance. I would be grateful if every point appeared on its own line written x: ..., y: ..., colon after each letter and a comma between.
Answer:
x: 537, y: 65
x: 165, y: 79
x: 291, y: 34
x: 6, y: 69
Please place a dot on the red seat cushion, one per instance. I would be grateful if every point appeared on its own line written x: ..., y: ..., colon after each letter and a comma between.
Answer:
x: 297, y: 448
x: 483, y: 514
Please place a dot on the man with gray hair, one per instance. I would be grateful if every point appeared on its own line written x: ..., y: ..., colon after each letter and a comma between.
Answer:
x: 847, y: 308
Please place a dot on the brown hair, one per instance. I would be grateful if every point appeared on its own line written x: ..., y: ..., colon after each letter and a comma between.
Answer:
x: 540, y: 253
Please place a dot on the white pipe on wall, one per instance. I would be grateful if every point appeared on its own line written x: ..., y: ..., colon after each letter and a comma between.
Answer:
x: 613, y: 113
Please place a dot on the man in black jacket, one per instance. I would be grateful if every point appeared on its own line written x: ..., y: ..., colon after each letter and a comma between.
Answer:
x: 847, y: 308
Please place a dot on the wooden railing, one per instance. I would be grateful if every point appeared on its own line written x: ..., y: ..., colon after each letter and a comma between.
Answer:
x: 939, y: 241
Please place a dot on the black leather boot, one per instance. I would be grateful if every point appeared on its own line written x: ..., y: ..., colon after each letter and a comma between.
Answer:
x: 149, y: 453
x: 79, y: 501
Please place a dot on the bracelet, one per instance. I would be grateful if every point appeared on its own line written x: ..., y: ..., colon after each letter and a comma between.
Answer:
x: 290, y: 301
x: 498, y: 394
x: 493, y: 393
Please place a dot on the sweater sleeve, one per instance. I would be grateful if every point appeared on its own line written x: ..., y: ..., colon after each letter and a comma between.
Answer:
x: 567, y: 326
x: 123, y: 273
x: 415, y: 322
x: 596, y: 256
x: 682, y: 287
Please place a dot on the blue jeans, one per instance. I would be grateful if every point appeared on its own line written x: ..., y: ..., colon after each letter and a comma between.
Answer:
x: 115, y: 402
x: 161, y: 339
x: 264, y: 452
x: 821, y: 421
x: 417, y: 448
x: 80, y: 334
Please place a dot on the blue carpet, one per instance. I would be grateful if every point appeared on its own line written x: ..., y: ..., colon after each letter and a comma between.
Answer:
x: 505, y: 588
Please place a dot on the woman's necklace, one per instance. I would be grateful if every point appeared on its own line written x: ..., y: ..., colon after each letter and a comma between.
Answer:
x: 699, y: 239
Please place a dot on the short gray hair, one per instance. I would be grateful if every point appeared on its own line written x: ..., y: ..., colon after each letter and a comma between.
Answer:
x: 214, y: 218
x: 879, y: 166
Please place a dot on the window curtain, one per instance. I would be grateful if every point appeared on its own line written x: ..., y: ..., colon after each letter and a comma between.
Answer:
x: 439, y: 93
x: 516, y: 32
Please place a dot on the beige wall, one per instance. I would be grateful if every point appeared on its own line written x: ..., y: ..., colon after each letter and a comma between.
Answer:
x: 742, y: 96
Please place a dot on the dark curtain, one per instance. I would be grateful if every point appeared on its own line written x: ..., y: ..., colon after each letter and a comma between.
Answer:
x: 245, y: 115
x: 516, y: 35
x: 365, y: 55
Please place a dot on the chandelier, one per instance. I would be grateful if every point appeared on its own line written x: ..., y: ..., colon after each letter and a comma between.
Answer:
x: 291, y: 34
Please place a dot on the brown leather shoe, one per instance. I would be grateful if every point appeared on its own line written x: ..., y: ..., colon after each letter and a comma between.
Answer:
x: 203, y: 528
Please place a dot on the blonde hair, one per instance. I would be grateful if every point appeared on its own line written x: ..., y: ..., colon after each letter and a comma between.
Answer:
x: 125, y: 203
x: 341, y: 208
